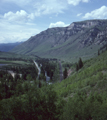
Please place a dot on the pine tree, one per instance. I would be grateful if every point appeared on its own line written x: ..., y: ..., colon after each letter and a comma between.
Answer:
x: 40, y: 84
x: 80, y: 63
x: 98, y: 52
x: 65, y: 73
x: 77, y: 67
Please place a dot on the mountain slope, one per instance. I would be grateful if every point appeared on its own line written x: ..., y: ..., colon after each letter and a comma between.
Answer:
x: 91, y: 78
x: 78, y: 39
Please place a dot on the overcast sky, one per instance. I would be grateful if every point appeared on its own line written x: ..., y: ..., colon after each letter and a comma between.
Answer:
x: 21, y: 19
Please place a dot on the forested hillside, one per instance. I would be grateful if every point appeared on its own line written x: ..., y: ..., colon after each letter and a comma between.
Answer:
x: 81, y: 96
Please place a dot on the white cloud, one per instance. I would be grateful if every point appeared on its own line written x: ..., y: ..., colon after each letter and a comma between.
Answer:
x: 19, y: 2
x: 76, y: 2
x: 49, y: 7
x: 100, y: 13
x: 44, y: 7
x: 16, y: 32
x: 79, y: 14
x: 58, y: 24
x: 41, y: 7
x: 19, y: 16
x: 19, y: 24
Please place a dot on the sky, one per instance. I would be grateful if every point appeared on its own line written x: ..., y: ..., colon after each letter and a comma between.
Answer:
x: 21, y: 19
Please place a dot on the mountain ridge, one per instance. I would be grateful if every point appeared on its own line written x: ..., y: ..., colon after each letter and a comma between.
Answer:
x: 67, y: 42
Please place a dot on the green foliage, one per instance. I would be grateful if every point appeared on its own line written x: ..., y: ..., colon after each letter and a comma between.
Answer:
x: 26, y: 87
x: 29, y: 77
x: 81, y: 107
x: 79, y: 65
x: 16, y: 77
x: 56, y: 75
x: 37, y: 104
x: 92, y: 77
x: 82, y: 96
x: 19, y: 89
x: 42, y: 77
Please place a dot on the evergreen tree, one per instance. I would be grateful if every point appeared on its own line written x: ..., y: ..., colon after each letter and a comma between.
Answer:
x: 80, y: 63
x: 40, y: 84
x: 65, y: 74
x: 98, y: 52
x: 77, y: 68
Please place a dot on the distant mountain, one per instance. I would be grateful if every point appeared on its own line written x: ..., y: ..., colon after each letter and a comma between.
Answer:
x: 5, y: 47
x: 79, y: 39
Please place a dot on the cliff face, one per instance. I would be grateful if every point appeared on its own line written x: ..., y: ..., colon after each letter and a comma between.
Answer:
x: 64, y: 41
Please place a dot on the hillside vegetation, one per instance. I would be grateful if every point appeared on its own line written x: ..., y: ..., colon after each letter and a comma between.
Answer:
x: 92, y: 77
x: 81, y: 96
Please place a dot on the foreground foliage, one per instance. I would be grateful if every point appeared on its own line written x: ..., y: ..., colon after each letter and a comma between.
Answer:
x: 81, y: 107
x: 82, y: 96
x: 45, y: 105
x: 36, y: 104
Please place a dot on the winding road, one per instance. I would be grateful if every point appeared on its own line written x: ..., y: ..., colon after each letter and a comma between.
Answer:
x: 39, y: 70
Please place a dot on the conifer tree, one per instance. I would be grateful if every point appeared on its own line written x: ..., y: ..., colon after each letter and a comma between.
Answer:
x: 80, y: 63
x: 98, y: 52
x: 77, y: 68
x: 65, y: 73
x: 39, y: 85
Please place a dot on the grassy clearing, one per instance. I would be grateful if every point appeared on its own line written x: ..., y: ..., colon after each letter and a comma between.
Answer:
x: 13, y: 62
